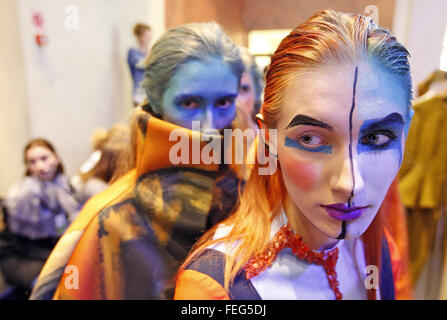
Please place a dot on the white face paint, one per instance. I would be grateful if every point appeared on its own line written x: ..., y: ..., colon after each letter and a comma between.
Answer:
x: 340, y: 145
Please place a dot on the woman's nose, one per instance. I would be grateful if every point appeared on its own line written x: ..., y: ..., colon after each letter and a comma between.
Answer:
x: 207, y: 120
x: 40, y: 165
x: 348, y: 180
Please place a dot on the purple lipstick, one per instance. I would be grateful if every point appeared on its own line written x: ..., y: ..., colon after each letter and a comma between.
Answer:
x: 343, y: 212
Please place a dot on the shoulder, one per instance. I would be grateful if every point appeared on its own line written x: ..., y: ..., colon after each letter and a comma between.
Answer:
x: 202, y: 279
x: 27, y: 183
x: 24, y: 189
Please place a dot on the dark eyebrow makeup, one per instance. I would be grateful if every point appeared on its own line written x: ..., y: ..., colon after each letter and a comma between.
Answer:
x: 301, y: 119
x: 391, y: 126
x: 183, y: 97
x: 393, y: 120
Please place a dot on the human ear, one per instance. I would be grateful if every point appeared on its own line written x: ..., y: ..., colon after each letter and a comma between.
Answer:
x: 408, y: 122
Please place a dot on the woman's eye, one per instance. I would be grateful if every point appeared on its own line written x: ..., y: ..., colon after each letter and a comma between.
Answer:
x: 224, y: 103
x: 189, y: 104
x: 377, y: 139
x: 245, y: 88
x: 310, y: 140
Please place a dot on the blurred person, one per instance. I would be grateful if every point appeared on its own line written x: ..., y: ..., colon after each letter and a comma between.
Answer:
x: 135, y: 57
x: 434, y: 85
x: 250, y: 92
x: 39, y: 209
x: 248, y: 103
x: 138, y: 231
x: 99, y: 170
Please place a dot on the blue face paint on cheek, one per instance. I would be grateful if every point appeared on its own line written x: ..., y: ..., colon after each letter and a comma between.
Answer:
x: 295, y: 144
x: 201, y: 91
x: 382, y: 134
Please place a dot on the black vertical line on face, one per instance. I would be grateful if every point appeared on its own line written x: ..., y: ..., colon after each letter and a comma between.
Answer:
x: 350, y: 137
x: 342, y: 234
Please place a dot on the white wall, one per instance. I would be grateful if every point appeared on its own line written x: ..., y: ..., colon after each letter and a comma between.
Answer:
x: 420, y: 25
x: 13, y: 97
x: 80, y: 80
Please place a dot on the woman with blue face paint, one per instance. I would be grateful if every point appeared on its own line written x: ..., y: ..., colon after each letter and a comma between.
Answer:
x: 338, y: 95
x: 137, y: 232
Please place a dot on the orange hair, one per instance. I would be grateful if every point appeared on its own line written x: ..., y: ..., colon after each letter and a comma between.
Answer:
x: 326, y: 37
x: 140, y: 28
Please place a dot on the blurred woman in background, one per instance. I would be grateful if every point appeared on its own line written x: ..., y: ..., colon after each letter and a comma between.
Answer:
x: 39, y: 209
x: 249, y: 99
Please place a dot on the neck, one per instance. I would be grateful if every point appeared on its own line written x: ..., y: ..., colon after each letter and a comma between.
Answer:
x: 142, y: 47
x: 312, y: 236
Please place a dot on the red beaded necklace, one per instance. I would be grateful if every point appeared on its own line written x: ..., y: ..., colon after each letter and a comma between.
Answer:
x: 286, y: 238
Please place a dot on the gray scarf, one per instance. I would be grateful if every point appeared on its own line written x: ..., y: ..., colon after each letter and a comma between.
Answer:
x: 41, y: 209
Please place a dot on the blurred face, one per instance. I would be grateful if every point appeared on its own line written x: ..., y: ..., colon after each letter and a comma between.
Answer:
x: 341, y: 136
x: 246, y: 96
x: 145, y: 38
x: 201, y: 91
x: 42, y: 162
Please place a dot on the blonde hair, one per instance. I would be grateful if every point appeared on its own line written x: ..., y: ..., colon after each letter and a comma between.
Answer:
x: 111, y: 143
x: 325, y: 38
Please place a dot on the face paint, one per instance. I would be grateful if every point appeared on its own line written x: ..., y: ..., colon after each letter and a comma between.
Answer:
x: 202, y: 91
x: 342, y: 234
x: 295, y: 144
x: 308, y: 141
x: 327, y: 124
x: 351, y: 112
x: 382, y: 134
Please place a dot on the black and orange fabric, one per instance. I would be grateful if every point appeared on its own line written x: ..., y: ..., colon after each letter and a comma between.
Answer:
x: 129, y: 240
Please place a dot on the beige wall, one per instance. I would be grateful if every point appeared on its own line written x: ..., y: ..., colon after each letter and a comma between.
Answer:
x: 79, y: 81
x: 237, y: 17
x: 13, y: 97
x: 420, y: 25
x: 228, y: 13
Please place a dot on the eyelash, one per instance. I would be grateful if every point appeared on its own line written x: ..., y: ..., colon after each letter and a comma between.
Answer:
x: 225, y: 100
x: 220, y: 103
x: 390, y: 134
x: 245, y: 88
x: 320, y: 148
x: 183, y: 103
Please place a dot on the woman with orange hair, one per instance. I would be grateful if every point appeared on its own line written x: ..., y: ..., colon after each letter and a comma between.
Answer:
x: 338, y: 96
